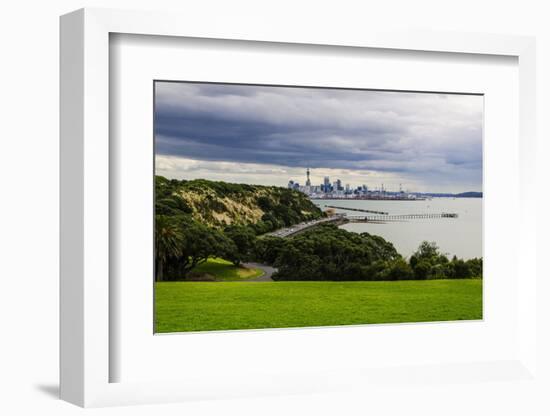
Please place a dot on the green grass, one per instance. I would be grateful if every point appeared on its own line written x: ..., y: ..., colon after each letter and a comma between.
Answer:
x: 204, y: 306
x: 226, y: 271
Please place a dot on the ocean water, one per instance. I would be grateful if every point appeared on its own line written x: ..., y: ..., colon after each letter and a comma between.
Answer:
x: 462, y: 236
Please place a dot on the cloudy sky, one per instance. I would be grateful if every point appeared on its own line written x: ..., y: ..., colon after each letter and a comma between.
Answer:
x: 268, y: 135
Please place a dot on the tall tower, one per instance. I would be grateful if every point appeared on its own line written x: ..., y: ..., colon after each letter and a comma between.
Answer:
x: 308, y: 182
x: 326, y: 185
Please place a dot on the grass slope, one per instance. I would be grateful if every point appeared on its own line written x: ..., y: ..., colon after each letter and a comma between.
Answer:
x: 192, y: 306
x: 224, y: 270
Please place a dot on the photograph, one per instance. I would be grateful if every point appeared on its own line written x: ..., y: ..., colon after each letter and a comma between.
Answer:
x: 279, y: 206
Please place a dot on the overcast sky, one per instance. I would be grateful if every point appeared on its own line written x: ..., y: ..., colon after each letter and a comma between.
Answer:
x: 268, y: 135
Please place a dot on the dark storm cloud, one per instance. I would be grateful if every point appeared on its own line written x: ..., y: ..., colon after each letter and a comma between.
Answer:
x: 405, y: 133
x: 208, y: 137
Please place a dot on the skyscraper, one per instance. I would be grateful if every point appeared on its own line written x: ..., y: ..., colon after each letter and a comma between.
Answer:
x: 308, y: 182
x: 326, y: 184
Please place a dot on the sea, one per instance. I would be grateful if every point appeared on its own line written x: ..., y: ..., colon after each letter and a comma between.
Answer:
x: 462, y: 236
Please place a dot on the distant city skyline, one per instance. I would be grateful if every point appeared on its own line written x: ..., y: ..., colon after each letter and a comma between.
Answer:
x: 329, y: 183
x: 270, y: 135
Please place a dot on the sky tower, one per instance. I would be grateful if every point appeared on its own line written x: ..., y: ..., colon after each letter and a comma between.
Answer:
x: 308, y: 182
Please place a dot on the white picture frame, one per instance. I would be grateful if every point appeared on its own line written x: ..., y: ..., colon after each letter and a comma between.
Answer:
x: 86, y: 265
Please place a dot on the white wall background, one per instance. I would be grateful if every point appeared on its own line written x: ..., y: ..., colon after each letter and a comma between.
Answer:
x: 29, y: 204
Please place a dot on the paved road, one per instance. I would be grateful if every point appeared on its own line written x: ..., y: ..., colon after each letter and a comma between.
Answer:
x: 268, y: 272
x: 287, y: 232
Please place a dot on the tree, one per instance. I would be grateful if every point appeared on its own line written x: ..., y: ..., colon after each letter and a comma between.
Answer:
x: 460, y: 269
x: 329, y: 253
x: 476, y: 267
x: 422, y: 270
x: 269, y: 218
x: 293, y: 265
x: 399, y: 270
x: 168, y: 241
x: 265, y: 203
x: 413, y: 261
x: 427, y: 251
x: 198, y: 244
x: 440, y: 271
x: 268, y: 248
x: 243, y: 238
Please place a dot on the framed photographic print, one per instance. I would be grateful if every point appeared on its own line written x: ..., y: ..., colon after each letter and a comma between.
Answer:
x: 349, y: 206
x: 266, y: 212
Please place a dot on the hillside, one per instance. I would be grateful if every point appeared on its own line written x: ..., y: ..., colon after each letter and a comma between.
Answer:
x: 220, y: 204
x: 470, y: 195
x: 459, y: 195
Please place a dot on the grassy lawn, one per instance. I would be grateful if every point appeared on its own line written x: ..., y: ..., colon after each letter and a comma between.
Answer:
x: 226, y: 271
x: 203, y: 306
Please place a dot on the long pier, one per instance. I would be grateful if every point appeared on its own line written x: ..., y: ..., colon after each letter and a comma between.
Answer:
x: 397, y: 217
x: 358, y: 209
x: 344, y: 218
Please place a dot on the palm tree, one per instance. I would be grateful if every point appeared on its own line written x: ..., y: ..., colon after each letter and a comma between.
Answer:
x: 168, y: 241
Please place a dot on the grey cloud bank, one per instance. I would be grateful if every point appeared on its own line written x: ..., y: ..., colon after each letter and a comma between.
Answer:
x: 430, y: 141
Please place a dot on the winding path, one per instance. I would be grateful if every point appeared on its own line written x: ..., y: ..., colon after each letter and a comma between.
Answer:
x: 268, y: 272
